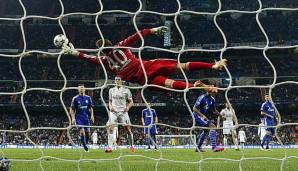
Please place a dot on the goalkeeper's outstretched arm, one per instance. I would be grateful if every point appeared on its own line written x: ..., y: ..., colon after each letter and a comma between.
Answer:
x: 137, y: 36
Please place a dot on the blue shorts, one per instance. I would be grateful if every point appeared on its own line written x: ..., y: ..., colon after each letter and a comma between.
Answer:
x: 153, y: 130
x: 270, y: 123
x: 200, y: 121
x: 84, y: 122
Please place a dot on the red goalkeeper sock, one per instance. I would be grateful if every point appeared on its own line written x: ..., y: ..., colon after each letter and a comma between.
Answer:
x: 180, y: 85
x: 198, y: 65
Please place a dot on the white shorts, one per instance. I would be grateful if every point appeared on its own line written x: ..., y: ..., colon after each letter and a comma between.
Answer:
x: 227, y: 128
x: 242, y: 140
x: 118, y: 117
x: 95, y: 141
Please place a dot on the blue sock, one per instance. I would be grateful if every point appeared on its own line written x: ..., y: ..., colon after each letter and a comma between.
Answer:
x: 201, y: 139
x: 154, y: 138
x: 148, y: 141
x: 264, y: 140
x: 212, y: 135
x: 83, y: 141
x: 268, y: 140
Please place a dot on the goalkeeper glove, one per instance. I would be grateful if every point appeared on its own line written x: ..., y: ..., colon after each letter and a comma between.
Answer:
x: 68, y: 49
x: 219, y: 65
x: 159, y: 30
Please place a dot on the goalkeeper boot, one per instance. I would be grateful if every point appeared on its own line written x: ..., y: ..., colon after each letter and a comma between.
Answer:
x: 218, y: 149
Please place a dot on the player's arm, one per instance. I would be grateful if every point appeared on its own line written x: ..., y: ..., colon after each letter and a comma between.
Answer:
x: 90, y: 106
x: 110, y: 101
x: 218, y: 121
x: 72, y: 111
x: 156, y: 118
x: 244, y: 136
x: 199, y: 113
x: 234, y: 117
x: 135, y: 37
x: 129, y: 101
x: 215, y: 111
x: 72, y: 115
x: 129, y: 105
x: 142, y: 119
x: 70, y: 50
x: 263, y: 111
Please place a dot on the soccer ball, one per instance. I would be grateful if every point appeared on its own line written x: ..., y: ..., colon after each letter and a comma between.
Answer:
x: 59, y: 40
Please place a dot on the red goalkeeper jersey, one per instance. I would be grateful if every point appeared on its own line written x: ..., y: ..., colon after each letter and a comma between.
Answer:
x: 125, y: 64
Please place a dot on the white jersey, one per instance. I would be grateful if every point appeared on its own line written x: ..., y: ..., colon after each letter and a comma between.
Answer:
x: 242, y: 136
x: 227, y: 114
x: 119, y: 97
x: 261, y: 131
x: 94, y: 136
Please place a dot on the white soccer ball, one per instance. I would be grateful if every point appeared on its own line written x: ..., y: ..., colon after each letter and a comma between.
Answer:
x: 59, y: 40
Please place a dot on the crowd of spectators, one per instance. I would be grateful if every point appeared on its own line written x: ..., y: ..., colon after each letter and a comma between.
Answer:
x: 197, y: 29
x: 55, y: 137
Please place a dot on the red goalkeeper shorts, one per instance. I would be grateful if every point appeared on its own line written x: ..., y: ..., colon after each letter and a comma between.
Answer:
x: 154, y: 68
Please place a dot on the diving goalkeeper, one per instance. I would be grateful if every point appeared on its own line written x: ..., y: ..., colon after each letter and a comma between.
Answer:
x: 120, y: 60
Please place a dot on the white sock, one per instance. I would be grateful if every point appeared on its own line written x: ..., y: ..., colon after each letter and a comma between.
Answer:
x: 225, y: 141
x: 110, y: 140
x: 115, y: 136
x: 236, y: 143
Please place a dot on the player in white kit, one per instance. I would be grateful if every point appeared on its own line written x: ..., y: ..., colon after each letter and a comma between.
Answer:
x: 94, y: 137
x: 228, y: 114
x: 120, y: 101
x: 242, y: 138
x: 261, y: 130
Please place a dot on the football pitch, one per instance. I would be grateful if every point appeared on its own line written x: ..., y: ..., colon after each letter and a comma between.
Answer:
x: 165, y: 160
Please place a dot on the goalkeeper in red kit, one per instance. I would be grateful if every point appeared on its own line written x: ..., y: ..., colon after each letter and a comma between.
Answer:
x: 120, y: 60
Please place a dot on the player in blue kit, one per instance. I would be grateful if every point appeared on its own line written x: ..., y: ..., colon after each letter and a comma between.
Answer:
x: 150, y: 119
x: 81, y: 108
x: 203, y: 109
x: 268, y: 112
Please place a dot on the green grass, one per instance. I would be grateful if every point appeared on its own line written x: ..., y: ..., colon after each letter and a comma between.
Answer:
x: 98, y: 160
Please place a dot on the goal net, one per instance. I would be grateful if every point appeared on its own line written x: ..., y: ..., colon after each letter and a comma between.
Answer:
x: 176, y: 141
x: 258, y: 38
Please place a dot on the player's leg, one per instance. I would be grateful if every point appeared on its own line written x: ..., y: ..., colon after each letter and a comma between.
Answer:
x: 110, y: 128
x: 212, y: 136
x: 146, y: 132
x: 193, y: 66
x: 177, y: 84
x: 266, y: 139
x: 124, y: 118
x: 115, y: 135
x: 235, y: 140
x: 81, y: 121
x: 271, y: 133
x: 200, y: 139
x: 130, y: 138
x: 202, y: 136
x: 225, y: 140
x: 83, y: 139
x: 153, y: 132
x: 87, y: 133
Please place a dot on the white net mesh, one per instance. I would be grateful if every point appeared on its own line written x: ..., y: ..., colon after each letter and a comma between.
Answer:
x: 80, y: 160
